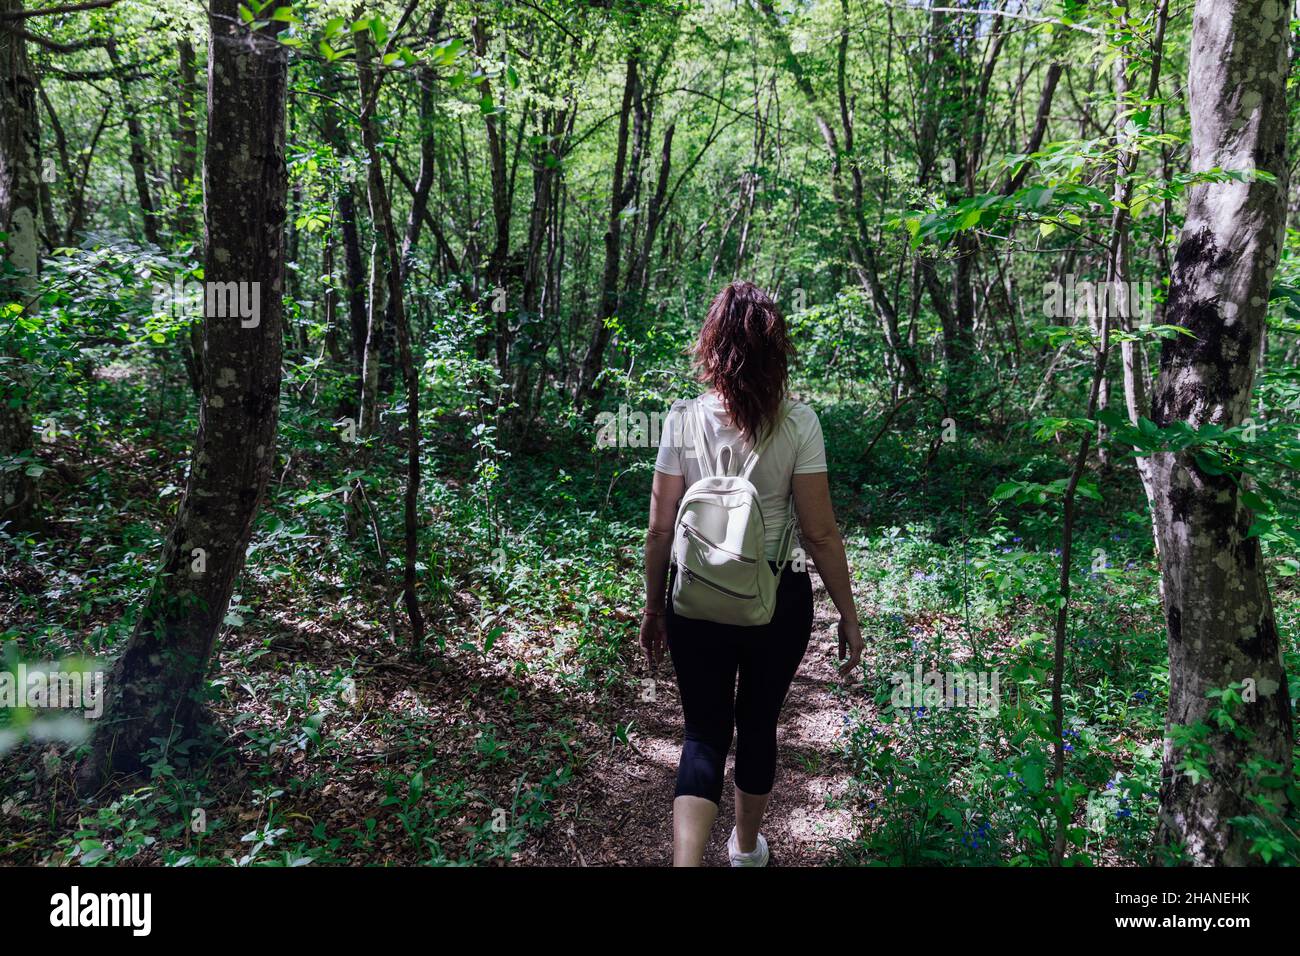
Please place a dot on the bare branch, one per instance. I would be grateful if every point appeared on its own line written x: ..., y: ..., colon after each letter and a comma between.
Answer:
x: 61, y: 8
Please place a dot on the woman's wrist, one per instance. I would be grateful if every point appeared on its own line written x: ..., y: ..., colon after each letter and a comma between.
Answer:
x: 652, y: 612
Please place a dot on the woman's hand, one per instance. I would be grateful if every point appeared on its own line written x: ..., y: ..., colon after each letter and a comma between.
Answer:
x: 850, y: 644
x: 654, y: 636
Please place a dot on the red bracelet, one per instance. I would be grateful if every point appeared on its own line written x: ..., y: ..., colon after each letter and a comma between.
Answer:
x: 649, y: 613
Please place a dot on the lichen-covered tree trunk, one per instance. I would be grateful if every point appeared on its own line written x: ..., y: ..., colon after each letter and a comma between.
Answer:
x: 1220, y: 620
x: 152, y: 691
x: 19, y: 202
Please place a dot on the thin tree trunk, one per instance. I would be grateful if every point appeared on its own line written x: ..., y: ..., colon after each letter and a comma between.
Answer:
x: 1136, y: 372
x: 187, y: 137
x: 381, y: 213
x: 624, y: 184
x: 639, y: 277
x: 1100, y: 356
x: 135, y: 133
x: 77, y: 216
x: 500, y: 210
x: 183, y: 173
x: 353, y: 262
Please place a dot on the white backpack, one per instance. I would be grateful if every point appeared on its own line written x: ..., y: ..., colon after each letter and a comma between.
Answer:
x: 718, y: 540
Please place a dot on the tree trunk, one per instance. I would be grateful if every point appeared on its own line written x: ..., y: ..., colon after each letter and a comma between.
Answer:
x: 620, y: 195
x: 19, y: 202
x: 353, y: 262
x: 135, y: 133
x: 1136, y: 373
x: 1220, y: 618
x: 187, y: 137
x: 387, y: 252
x: 423, y: 185
x: 153, y: 689
x: 183, y: 173
x: 496, y: 276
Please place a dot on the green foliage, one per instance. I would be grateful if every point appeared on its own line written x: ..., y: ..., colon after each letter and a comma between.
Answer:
x: 341, y: 742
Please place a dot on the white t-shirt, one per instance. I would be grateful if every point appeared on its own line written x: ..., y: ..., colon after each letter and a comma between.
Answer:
x: 796, y: 449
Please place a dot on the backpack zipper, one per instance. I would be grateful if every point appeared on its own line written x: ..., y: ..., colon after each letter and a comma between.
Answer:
x: 703, y: 540
x: 693, y: 577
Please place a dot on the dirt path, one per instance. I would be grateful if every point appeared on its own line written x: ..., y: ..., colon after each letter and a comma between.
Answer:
x: 621, y: 814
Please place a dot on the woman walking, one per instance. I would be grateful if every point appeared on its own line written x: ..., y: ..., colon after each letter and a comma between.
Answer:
x: 742, y: 357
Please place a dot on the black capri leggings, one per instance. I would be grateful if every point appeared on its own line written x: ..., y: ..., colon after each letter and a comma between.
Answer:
x: 707, y: 657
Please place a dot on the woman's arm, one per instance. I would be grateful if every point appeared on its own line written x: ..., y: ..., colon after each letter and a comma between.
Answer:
x: 821, y: 536
x: 665, y: 493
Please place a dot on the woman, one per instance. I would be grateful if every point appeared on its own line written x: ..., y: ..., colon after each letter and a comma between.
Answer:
x: 742, y: 355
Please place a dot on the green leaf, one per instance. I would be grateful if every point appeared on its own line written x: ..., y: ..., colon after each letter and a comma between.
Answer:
x: 1038, y: 197
x: 1253, y: 501
x: 1088, y: 489
x: 1111, y: 419
x: 1006, y: 490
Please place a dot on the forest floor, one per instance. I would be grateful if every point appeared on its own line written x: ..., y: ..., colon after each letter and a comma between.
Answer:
x: 624, y: 802
x: 326, y: 731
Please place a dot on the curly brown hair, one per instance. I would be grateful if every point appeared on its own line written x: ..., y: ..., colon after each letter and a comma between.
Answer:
x: 744, y: 354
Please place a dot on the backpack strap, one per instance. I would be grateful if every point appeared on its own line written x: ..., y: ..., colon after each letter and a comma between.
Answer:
x: 752, y: 459
x: 701, y: 447
x: 787, y: 539
x: 725, y: 469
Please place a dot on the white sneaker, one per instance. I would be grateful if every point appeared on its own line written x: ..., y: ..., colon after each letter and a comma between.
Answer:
x: 757, y: 857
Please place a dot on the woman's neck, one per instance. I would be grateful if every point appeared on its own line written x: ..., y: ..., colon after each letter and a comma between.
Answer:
x: 715, y: 399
